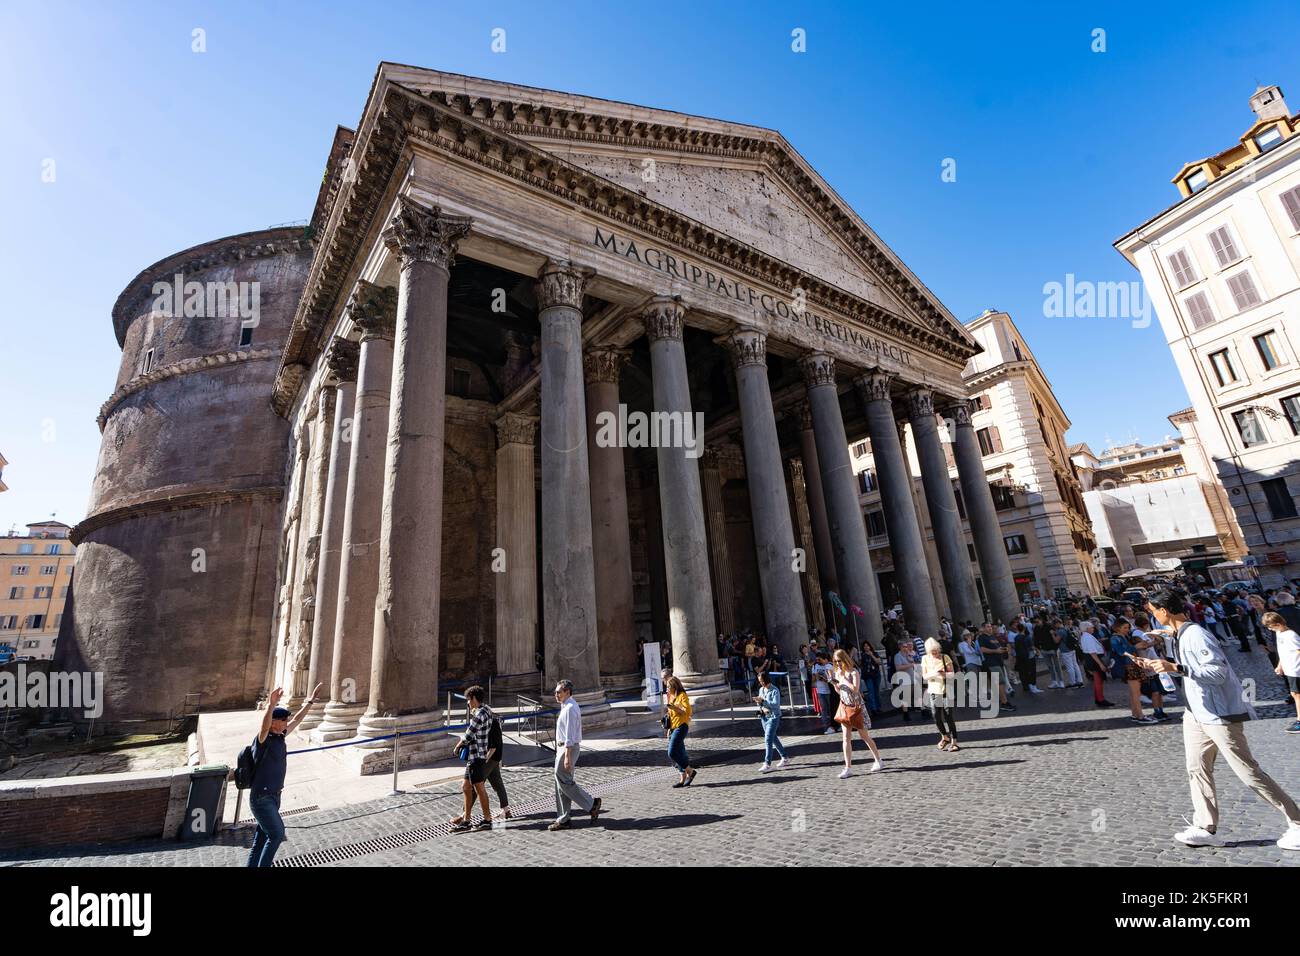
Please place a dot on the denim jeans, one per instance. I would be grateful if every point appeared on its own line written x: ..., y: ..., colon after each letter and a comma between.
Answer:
x: 677, y: 748
x: 871, y: 688
x: 770, y: 740
x: 270, y: 828
x: 1053, y: 665
x: 824, y: 699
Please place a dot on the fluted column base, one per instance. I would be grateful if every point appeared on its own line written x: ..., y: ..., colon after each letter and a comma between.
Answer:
x: 376, y: 756
x: 314, y: 716
x: 339, y: 722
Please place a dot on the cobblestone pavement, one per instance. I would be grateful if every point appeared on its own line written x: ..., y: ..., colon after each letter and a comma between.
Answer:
x: 1058, y: 782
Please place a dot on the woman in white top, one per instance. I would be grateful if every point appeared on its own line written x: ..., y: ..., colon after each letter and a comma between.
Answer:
x: 852, y: 714
x: 939, y: 672
x: 1288, y: 660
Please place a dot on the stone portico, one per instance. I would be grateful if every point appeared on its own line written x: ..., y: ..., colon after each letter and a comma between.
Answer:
x: 499, y: 270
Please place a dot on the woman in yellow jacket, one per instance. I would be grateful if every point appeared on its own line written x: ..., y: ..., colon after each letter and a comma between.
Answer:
x: 679, y: 724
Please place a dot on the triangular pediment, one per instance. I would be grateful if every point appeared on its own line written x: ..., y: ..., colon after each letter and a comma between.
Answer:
x: 745, y: 182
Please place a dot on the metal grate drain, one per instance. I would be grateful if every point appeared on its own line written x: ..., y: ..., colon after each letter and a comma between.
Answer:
x: 287, y: 813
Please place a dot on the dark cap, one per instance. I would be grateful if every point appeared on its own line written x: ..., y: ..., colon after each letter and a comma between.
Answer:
x: 281, y: 713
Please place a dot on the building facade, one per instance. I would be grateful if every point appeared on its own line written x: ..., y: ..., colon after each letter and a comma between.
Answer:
x: 1157, y: 506
x: 1222, y: 268
x: 565, y: 372
x: 35, y: 579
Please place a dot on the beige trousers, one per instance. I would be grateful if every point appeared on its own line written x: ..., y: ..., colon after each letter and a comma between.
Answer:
x: 1204, y: 742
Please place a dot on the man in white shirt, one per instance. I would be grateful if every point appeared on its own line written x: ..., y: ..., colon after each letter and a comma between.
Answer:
x: 568, y: 738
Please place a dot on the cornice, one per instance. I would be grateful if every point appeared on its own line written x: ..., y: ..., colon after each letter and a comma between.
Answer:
x: 180, y: 502
x: 184, y: 367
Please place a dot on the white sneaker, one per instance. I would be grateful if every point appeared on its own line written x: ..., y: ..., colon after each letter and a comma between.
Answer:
x: 1034, y: 690
x: 781, y: 765
x: 1291, y: 839
x: 1198, y: 836
x: 846, y: 772
x: 875, y: 767
x: 828, y: 731
x: 765, y: 768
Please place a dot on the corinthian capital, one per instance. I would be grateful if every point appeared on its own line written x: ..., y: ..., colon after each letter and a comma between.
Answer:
x: 920, y: 402
x: 516, y: 429
x: 420, y: 234
x: 874, y: 385
x: 561, y: 284
x: 747, y: 347
x: 664, y: 317
x: 958, y: 409
x: 374, y: 310
x: 603, y: 363
x: 818, y: 369
x: 341, y: 359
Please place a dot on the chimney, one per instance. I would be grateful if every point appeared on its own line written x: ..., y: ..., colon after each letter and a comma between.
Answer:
x: 1267, y: 103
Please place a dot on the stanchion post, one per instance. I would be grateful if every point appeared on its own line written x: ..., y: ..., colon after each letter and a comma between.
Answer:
x: 396, y: 737
x: 731, y: 700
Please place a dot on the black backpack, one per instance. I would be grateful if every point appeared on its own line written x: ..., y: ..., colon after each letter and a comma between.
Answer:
x: 246, y: 767
x: 495, y: 740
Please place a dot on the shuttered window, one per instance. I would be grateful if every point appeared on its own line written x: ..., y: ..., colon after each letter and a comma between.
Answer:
x: 1199, y: 311
x: 1184, y: 273
x: 1243, y: 290
x: 1291, y: 203
x: 1224, y: 249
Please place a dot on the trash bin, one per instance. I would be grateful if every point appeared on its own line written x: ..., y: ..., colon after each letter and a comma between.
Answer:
x: 207, y: 784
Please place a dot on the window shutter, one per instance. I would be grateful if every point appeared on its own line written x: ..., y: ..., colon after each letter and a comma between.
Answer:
x: 1244, y: 293
x: 1199, y: 311
x: 1184, y: 274
x: 996, y: 436
x: 1225, y: 250
x: 1291, y: 202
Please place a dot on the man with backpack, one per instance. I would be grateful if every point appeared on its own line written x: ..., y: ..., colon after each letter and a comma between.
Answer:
x: 482, y: 745
x: 262, y: 766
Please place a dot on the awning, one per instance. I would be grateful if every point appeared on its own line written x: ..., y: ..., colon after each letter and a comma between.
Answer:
x: 1227, y: 564
x: 1136, y: 573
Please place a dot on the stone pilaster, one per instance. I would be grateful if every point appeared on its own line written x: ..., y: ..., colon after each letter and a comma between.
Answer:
x: 373, y: 310
x: 404, y: 668
x: 516, y: 583
x: 571, y: 647
x: 341, y: 364
x: 995, y: 567
x: 309, y: 543
x: 783, y: 609
x: 911, y: 571
x: 610, y: 533
x: 686, y: 563
x: 847, y: 532
x: 950, y: 542
x: 719, y: 557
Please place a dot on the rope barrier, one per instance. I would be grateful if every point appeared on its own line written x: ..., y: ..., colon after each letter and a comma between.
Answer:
x: 446, y: 729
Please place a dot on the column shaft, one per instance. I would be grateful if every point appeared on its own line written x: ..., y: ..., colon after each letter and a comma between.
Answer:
x: 783, y: 609
x: 804, y: 539
x: 848, y: 533
x: 719, y: 557
x: 995, y: 567
x: 950, y: 541
x: 690, y: 604
x: 568, y: 568
x: 610, y: 532
x: 516, y: 584
x: 374, y: 310
x: 821, y: 528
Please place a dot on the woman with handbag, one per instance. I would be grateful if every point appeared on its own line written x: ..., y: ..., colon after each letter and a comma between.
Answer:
x: 938, y: 670
x: 852, y: 712
x: 678, y: 724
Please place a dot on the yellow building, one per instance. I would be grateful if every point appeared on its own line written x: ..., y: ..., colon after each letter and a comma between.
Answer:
x: 35, y: 576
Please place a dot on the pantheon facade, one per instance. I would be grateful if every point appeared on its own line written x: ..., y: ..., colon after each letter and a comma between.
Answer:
x: 490, y: 271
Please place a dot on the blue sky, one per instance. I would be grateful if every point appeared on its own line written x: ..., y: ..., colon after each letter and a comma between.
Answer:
x: 1059, y: 150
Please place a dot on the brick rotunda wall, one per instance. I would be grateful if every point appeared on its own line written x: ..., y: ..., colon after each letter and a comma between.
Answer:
x: 175, y: 583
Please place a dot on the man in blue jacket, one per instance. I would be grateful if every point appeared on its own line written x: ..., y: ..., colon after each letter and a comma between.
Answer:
x: 1214, y: 722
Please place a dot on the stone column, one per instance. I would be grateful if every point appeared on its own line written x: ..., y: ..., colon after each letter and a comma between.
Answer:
x: 686, y: 563
x: 995, y: 567
x: 844, y: 517
x: 910, y: 568
x: 783, y: 611
x: 516, y: 595
x: 950, y: 541
x: 611, y: 535
x: 313, y: 516
x: 821, y: 529
x: 568, y: 566
x: 404, y: 665
x: 341, y: 362
x: 373, y: 310
x: 719, y: 557
x: 803, y: 536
